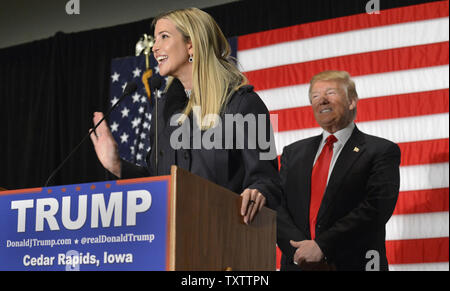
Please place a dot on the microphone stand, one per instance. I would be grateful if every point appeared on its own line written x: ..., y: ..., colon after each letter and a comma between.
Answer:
x: 156, y: 130
x: 156, y: 84
x: 130, y: 88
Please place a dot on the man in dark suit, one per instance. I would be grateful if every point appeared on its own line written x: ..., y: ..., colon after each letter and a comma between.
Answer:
x: 340, y: 188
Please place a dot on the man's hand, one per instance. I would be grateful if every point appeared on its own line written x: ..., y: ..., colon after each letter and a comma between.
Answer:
x: 308, y: 253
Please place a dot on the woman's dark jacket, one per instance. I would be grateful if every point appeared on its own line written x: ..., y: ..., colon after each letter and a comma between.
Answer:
x: 237, y: 161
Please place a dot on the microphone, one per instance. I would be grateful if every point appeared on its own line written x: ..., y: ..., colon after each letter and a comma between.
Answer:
x: 156, y: 83
x: 129, y: 89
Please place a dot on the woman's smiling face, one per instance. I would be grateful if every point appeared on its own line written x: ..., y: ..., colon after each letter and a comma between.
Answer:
x: 171, y: 50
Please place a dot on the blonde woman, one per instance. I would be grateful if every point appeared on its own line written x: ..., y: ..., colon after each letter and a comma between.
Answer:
x: 204, y: 87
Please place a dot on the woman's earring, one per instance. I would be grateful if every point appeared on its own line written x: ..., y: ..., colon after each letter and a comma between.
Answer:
x: 191, y: 58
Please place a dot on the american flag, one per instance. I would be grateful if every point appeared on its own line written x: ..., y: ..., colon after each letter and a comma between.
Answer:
x: 399, y: 60
x: 130, y: 122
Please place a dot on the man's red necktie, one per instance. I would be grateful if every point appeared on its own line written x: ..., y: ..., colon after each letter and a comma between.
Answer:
x: 319, y: 179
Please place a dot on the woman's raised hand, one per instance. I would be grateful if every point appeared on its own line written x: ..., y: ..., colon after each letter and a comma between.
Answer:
x: 105, y: 146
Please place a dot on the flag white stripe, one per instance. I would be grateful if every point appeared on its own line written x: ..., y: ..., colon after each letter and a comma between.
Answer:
x: 345, y: 43
x: 408, y: 129
x: 417, y: 226
x: 368, y: 86
x: 285, y: 138
x: 421, y: 177
x: 420, y: 267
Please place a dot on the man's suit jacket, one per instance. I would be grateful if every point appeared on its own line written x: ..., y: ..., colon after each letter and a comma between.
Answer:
x: 235, y: 168
x: 359, y: 199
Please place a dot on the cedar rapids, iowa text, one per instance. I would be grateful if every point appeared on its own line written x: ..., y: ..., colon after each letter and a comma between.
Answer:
x: 74, y: 259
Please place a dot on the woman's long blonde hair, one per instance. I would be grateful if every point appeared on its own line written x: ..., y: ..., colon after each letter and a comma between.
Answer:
x: 215, y: 76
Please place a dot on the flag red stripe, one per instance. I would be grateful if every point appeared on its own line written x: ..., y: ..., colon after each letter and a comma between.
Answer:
x: 342, y: 24
x: 294, y: 118
x: 370, y: 109
x: 422, y: 201
x: 376, y: 62
x: 404, y: 105
x: 424, y: 152
x: 416, y: 251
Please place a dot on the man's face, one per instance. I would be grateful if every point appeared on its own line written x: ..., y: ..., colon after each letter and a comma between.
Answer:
x: 332, y: 108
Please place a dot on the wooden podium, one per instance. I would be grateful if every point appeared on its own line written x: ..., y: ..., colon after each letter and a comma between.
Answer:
x: 207, y: 231
x: 191, y: 223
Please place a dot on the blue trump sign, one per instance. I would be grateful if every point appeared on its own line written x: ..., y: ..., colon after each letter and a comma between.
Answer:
x: 116, y: 225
